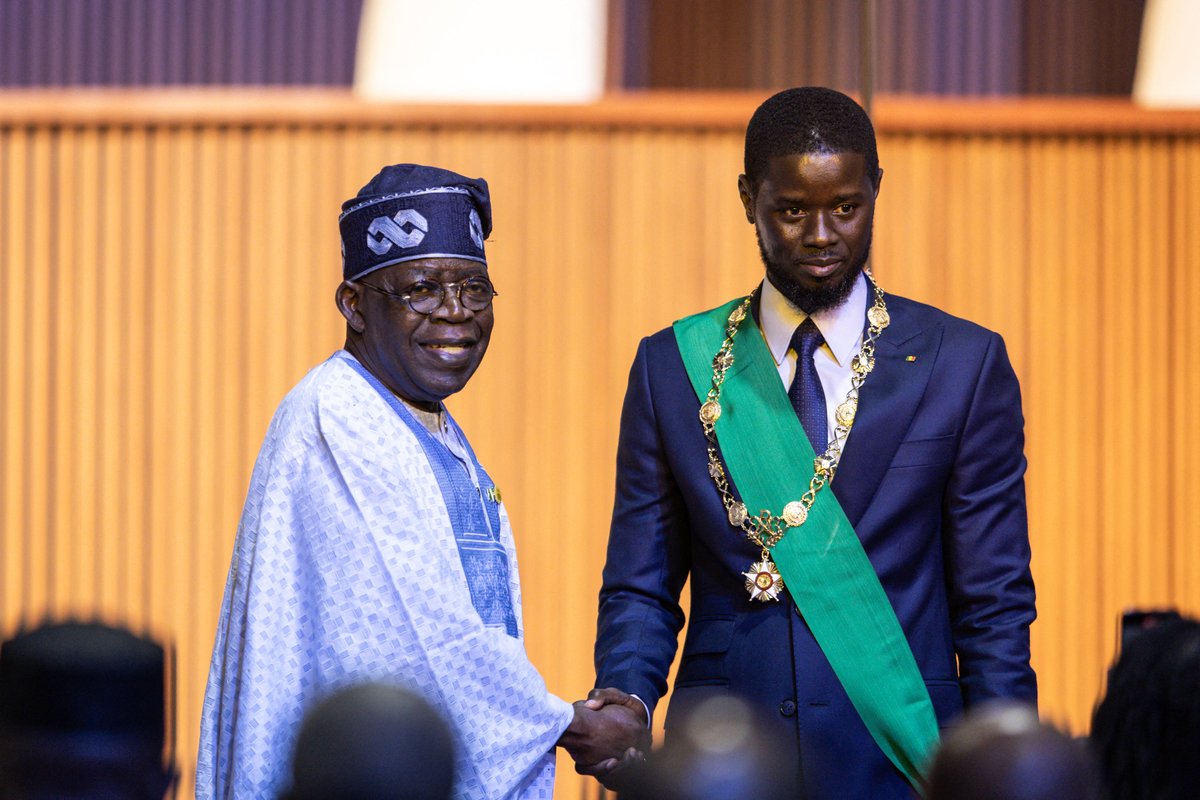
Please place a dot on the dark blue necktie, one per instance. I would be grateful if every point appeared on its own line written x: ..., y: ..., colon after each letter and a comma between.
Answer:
x: 806, y: 394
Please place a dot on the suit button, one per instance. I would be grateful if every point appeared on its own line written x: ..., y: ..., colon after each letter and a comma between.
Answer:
x: 787, y: 708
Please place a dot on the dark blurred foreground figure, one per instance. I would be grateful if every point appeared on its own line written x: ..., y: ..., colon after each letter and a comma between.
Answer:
x: 1146, y: 730
x: 1002, y: 752
x: 82, y: 714
x: 721, y: 751
x: 373, y: 741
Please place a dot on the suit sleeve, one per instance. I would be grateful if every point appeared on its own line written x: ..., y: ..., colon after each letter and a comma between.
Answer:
x: 648, y: 553
x: 987, y: 541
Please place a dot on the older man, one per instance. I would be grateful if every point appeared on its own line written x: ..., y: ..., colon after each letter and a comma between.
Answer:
x: 373, y: 544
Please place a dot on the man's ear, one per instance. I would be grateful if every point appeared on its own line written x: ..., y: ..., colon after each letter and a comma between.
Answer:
x: 878, y: 182
x: 347, y: 299
x: 746, y: 193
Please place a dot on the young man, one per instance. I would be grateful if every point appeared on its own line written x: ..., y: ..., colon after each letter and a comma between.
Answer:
x: 840, y: 473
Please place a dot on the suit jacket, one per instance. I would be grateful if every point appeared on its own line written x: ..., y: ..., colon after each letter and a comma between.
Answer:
x: 932, y: 478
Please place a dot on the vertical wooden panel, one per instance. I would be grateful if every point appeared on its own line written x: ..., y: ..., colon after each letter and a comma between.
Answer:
x: 910, y: 222
x: 136, y: 387
x: 111, y: 302
x: 1183, y: 367
x: 1063, y: 370
x: 63, y: 243
x: 36, y: 379
x: 1152, y: 166
x: 85, y: 475
x: 189, y: 403
x: 14, y: 279
x: 162, y: 374
x: 211, y: 516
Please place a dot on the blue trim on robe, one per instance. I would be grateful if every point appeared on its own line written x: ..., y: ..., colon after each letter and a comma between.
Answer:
x: 480, y: 550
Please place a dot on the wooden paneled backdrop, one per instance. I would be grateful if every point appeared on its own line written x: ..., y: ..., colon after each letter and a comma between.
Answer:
x: 168, y: 262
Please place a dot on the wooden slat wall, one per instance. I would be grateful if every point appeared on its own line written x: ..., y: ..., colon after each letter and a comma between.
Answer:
x: 167, y: 273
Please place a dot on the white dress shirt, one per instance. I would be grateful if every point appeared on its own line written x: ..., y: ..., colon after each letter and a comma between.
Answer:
x: 842, y: 328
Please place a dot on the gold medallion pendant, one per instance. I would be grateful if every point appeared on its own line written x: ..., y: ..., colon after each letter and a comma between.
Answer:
x: 763, y: 581
x: 794, y: 514
x: 710, y: 412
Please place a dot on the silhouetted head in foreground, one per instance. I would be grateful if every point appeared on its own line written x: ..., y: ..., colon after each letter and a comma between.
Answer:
x: 1146, y: 730
x: 373, y: 741
x: 1003, y: 752
x: 721, y: 751
x: 82, y: 714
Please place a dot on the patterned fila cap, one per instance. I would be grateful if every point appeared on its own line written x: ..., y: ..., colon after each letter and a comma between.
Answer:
x: 409, y: 211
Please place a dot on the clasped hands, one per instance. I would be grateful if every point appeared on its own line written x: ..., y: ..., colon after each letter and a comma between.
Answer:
x: 609, y: 732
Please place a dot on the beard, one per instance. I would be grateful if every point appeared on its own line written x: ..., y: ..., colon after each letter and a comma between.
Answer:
x: 826, y: 296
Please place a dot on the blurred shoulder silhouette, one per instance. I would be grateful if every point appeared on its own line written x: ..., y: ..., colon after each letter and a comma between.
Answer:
x: 82, y: 714
x: 1146, y: 730
x: 369, y: 741
x: 1002, y: 751
x: 721, y: 750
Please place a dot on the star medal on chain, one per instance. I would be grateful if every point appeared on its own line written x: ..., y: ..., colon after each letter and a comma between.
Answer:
x: 763, y: 581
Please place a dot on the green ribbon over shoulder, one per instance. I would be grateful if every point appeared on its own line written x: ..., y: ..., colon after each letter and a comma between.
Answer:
x: 824, y: 567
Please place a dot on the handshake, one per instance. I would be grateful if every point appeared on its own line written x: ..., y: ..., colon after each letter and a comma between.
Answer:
x: 610, y: 732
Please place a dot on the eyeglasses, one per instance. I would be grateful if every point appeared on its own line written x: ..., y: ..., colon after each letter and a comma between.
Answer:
x: 426, y: 297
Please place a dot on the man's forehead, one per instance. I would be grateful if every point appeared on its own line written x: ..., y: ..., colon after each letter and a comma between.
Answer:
x: 442, y: 269
x: 798, y: 169
x: 811, y: 157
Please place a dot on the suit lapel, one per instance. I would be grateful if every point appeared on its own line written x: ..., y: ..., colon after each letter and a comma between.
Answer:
x: 887, y: 403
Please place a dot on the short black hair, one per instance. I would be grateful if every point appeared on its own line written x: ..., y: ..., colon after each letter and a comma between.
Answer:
x: 809, y: 119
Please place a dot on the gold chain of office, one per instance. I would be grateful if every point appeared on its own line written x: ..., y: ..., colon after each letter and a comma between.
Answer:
x: 766, y: 529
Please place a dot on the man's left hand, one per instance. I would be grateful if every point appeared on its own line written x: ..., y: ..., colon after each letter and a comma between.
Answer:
x: 614, y: 702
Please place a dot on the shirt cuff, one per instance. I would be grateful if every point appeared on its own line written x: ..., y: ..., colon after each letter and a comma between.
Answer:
x: 643, y: 702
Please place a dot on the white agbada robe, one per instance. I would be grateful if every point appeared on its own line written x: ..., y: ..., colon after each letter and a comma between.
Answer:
x: 346, y: 569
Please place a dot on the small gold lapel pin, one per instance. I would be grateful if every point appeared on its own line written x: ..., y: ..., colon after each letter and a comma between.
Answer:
x: 910, y: 359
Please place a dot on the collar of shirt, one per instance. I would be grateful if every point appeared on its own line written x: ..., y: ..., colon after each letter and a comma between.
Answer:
x: 432, y: 421
x: 842, y: 327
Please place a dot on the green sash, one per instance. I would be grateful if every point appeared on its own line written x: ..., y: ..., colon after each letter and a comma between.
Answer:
x: 823, y: 564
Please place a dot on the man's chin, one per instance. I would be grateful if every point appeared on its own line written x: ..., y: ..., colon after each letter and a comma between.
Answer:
x: 813, y: 299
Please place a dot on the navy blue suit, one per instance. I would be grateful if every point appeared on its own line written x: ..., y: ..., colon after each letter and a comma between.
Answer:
x: 932, y: 479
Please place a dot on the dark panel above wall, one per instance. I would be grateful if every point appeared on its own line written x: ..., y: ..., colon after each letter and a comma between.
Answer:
x: 968, y: 47
x: 48, y: 43
x: 958, y: 47
x: 1081, y: 46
